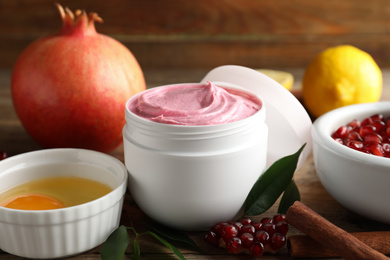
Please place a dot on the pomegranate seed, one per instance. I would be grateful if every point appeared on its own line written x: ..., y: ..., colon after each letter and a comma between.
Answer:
x: 248, y: 228
x: 385, y: 139
x: 354, y: 123
x: 246, y: 221
x: 366, y: 121
x: 357, y: 145
x: 354, y: 136
x: 341, y: 132
x: 373, y: 138
x: 377, y: 117
x: 375, y: 149
x: 238, y: 225
x: 277, y: 241
x: 218, y: 229
x: 355, y: 129
x: 281, y: 227
x: 269, y: 228
x: 278, y: 217
x: 262, y: 236
x: 266, y: 220
x: 247, y: 240
x: 257, y: 249
x: 366, y: 130
x: 234, y: 245
x: 386, y: 147
x: 229, y: 231
x: 379, y: 126
x: 212, y: 238
x: 257, y: 225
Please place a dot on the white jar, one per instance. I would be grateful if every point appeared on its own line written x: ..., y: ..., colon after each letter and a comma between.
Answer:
x: 191, y: 177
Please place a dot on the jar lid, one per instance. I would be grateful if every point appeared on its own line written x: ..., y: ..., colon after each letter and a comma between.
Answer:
x: 288, y: 122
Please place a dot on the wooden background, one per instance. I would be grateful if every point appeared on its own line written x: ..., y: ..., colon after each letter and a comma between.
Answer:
x: 193, y: 36
x: 209, y: 33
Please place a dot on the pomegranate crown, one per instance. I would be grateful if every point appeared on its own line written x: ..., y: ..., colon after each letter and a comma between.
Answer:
x: 77, y: 22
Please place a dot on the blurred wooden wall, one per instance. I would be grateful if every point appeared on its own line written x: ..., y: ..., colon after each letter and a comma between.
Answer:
x: 209, y: 33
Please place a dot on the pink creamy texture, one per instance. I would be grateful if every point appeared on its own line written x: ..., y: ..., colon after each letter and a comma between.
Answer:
x: 194, y: 104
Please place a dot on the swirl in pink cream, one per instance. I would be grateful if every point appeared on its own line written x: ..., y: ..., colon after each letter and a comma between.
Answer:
x: 194, y: 104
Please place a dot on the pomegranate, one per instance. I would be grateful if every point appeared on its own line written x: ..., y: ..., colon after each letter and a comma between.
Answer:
x: 70, y: 89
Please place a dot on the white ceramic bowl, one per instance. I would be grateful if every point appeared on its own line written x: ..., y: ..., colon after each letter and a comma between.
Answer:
x: 357, y: 180
x: 67, y: 231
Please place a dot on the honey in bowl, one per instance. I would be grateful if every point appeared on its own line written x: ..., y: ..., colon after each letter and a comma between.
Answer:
x: 53, y: 193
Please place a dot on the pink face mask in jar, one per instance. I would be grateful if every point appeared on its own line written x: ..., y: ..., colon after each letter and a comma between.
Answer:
x: 193, y: 151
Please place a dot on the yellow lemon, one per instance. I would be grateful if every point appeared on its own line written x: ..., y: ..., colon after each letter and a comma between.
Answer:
x: 340, y: 76
x: 285, y: 79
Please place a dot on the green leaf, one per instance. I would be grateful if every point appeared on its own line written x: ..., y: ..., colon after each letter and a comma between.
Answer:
x: 290, y: 195
x: 116, y: 244
x: 167, y: 244
x: 271, y: 184
x: 136, y: 250
x: 174, y: 235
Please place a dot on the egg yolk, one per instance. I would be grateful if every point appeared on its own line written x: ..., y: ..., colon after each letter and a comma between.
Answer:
x: 33, y: 201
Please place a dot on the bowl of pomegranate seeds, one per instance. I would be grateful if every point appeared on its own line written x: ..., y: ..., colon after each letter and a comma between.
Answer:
x: 351, y: 150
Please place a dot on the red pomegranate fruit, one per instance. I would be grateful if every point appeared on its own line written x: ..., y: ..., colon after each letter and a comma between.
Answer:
x: 70, y: 89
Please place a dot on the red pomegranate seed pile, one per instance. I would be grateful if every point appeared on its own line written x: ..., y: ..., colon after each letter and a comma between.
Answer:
x: 247, y: 236
x: 371, y: 135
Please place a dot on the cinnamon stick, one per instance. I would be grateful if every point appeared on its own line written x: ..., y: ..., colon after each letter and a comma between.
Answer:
x: 302, y: 246
x: 343, y: 243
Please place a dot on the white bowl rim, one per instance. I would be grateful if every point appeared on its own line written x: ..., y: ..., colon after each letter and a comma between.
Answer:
x: 119, y: 186
x: 325, y: 124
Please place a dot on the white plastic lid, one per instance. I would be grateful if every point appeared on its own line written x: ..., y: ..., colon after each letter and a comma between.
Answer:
x: 289, y: 123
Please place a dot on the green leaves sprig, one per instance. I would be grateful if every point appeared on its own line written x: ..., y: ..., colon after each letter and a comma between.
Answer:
x: 173, y: 235
x: 115, y: 246
x: 275, y: 181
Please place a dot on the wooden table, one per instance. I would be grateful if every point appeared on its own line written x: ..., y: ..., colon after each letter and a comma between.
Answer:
x: 14, y: 140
